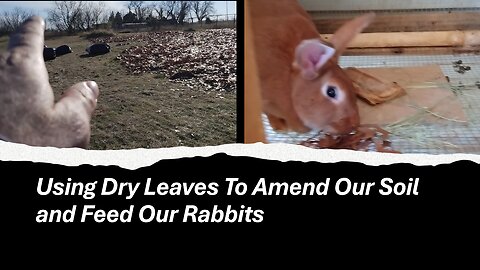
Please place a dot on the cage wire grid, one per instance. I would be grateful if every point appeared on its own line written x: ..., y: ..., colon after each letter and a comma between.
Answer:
x: 446, y: 138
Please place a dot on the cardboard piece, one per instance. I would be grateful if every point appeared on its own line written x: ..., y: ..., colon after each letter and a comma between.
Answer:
x: 426, y: 87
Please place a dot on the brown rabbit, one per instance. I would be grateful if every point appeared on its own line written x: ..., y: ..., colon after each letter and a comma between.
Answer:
x: 303, y: 88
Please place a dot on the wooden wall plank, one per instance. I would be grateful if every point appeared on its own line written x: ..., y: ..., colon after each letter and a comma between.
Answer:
x: 385, y: 4
x: 411, y: 51
x: 413, y: 21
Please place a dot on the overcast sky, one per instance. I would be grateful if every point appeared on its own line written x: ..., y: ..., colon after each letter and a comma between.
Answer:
x: 41, y: 7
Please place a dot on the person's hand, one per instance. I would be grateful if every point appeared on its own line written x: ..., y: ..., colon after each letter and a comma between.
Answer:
x: 28, y: 113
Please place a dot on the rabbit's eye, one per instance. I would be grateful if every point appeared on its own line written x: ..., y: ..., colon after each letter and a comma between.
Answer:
x: 331, y: 91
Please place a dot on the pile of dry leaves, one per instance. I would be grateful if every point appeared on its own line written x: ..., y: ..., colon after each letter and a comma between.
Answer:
x: 201, y: 58
x: 120, y: 38
x: 364, y: 138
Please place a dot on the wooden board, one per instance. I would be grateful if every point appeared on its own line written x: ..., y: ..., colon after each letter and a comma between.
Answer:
x: 328, y: 22
x: 410, y: 51
x: 461, y: 39
x: 254, y: 130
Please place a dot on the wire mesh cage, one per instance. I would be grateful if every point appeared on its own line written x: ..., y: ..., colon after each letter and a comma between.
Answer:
x: 442, y: 138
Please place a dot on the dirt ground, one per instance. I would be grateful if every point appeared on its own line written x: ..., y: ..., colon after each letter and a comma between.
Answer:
x: 142, y: 111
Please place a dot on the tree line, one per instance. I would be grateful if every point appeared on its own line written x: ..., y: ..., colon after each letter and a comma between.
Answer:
x: 10, y: 20
x: 77, y: 16
x: 163, y: 12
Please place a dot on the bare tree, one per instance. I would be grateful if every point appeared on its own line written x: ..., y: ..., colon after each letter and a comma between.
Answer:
x: 3, y: 27
x: 86, y: 16
x: 140, y: 9
x: 202, y: 9
x: 146, y: 11
x: 10, y: 20
x: 183, y: 10
x: 158, y: 6
x: 67, y: 15
x: 171, y: 9
x: 92, y: 14
x: 104, y: 16
x: 99, y: 14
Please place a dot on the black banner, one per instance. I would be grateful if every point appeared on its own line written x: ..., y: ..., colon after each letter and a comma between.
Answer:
x: 245, y: 197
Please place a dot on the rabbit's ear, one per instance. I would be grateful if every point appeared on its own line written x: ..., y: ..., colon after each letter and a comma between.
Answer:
x: 342, y: 37
x: 310, y: 56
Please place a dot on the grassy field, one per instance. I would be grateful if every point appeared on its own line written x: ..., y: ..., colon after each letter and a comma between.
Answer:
x: 142, y: 111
